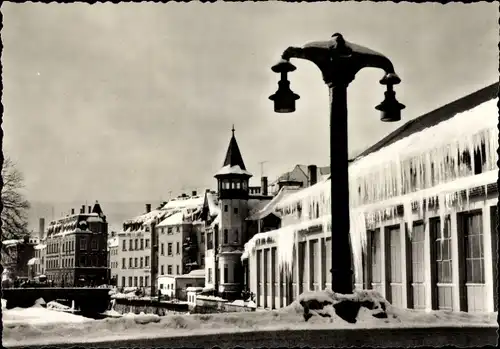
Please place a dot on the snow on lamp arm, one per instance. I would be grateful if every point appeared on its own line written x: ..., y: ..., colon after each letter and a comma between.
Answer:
x: 339, y: 62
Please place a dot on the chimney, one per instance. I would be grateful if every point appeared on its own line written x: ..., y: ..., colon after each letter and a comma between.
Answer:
x: 193, y: 193
x: 82, y: 210
x: 41, y: 228
x: 313, y: 174
x: 207, y: 190
x: 72, y: 211
x: 264, y: 185
x: 90, y: 209
x: 148, y: 208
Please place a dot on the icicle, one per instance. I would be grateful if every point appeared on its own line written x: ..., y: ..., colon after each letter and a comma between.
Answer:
x: 408, y: 214
x: 442, y: 214
x: 467, y: 193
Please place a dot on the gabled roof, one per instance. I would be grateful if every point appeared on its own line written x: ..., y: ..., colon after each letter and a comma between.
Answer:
x: 436, y: 116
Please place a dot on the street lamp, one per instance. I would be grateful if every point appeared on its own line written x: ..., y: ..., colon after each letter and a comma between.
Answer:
x: 339, y: 61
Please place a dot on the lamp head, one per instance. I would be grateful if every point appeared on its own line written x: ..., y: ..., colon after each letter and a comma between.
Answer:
x: 390, y: 108
x: 284, y: 98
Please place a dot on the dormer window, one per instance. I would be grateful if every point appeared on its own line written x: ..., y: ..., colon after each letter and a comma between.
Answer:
x: 238, y: 185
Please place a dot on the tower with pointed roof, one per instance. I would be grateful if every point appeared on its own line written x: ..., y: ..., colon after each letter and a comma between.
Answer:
x: 233, y: 189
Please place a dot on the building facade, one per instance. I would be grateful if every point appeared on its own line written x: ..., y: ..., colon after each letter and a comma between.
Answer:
x: 135, y: 253
x: 75, y: 248
x: 423, y: 218
x: 16, y: 255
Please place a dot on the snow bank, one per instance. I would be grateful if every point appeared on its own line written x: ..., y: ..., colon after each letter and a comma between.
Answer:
x: 36, y: 316
x: 147, y: 325
x: 53, y: 305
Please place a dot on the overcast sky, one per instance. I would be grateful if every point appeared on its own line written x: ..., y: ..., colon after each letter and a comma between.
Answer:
x: 128, y: 102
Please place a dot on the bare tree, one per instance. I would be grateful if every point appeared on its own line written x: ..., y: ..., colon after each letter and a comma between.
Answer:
x: 14, y: 204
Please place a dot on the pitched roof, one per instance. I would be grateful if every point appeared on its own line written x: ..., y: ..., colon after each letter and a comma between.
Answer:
x: 436, y: 116
x: 233, y: 155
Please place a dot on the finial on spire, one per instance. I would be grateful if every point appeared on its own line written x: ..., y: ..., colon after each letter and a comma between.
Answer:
x: 232, y: 130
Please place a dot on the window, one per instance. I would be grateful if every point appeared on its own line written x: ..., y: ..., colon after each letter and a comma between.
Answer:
x: 178, y: 271
x: 170, y: 249
x: 135, y: 262
x: 124, y: 264
x: 169, y: 230
x: 146, y: 262
x: 169, y: 270
x: 123, y: 281
x: 474, y: 250
x: 235, y: 210
x: 226, y: 274
x: 147, y: 243
x: 130, y: 262
x: 136, y: 244
x: 225, y: 208
x: 236, y: 236
x: 142, y: 244
x: 94, y: 244
x: 161, y: 286
x: 209, y: 241
x: 130, y: 244
x: 238, y: 185
x: 177, y: 247
x: 130, y: 281
x: 203, y: 238
x: 82, y: 262
x: 443, y: 250
x: 162, y: 249
x: 141, y: 262
x: 178, y: 228
x: 146, y: 281
x: 209, y: 275
x: 83, y: 244
x: 162, y: 270
x: 226, y: 236
x: 135, y: 281
x: 141, y: 281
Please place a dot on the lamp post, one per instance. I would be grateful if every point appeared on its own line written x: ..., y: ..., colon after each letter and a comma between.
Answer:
x: 339, y: 61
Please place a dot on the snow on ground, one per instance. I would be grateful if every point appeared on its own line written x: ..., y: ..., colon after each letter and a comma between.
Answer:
x: 18, y: 331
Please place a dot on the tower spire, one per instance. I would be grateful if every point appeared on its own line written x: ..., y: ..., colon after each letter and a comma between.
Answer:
x: 232, y: 130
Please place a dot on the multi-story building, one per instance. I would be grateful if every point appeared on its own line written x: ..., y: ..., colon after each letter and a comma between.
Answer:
x: 113, y: 259
x: 136, y: 255
x: 16, y: 254
x: 76, y: 248
x: 179, y: 236
x: 226, y: 227
x: 423, y: 218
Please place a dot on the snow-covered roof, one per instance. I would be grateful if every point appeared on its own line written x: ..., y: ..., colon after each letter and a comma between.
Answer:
x: 147, y: 218
x: 232, y: 170
x: 33, y: 261
x: 196, y: 272
x: 187, y: 202
x: 113, y: 242
x: 12, y: 242
x: 268, y: 207
x: 213, y: 207
x: 173, y: 219
x: 40, y: 247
